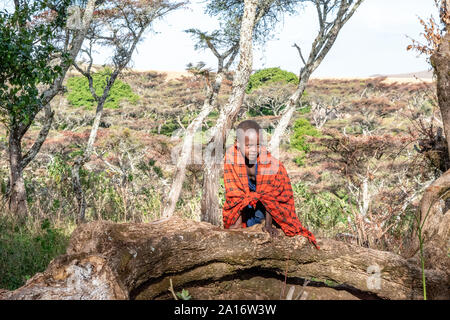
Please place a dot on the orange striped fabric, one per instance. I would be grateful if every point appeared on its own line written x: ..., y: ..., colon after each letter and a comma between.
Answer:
x: 273, y: 189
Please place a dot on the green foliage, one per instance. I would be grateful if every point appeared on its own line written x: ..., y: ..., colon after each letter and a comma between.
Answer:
x: 270, y: 75
x: 213, y: 114
x: 263, y: 110
x: 229, y: 13
x: 327, y: 282
x: 59, y: 169
x: 79, y: 94
x: 108, y: 188
x: 302, y: 129
x: 184, y: 295
x: 150, y: 166
x: 26, y: 51
x: 300, y: 160
x: 24, y: 252
x: 321, y: 211
x: 168, y: 128
x: 305, y: 109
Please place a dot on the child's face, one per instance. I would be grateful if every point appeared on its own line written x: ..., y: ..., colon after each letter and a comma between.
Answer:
x: 250, y: 146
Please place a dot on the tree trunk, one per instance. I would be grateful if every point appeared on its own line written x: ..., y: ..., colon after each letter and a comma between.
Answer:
x: 81, y: 160
x: 433, y: 214
x: 107, y: 260
x: 436, y: 226
x: 288, y: 113
x: 214, y: 151
x: 187, y: 147
x: 210, y: 207
x: 441, y: 64
x: 17, y: 195
x: 78, y: 189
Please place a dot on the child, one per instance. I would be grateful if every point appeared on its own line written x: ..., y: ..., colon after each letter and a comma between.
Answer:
x: 257, y: 187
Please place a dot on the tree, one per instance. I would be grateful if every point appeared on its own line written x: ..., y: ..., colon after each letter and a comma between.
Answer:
x: 268, y: 100
x: 227, y: 40
x: 428, y: 240
x: 257, y: 19
x: 436, y: 49
x: 332, y: 16
x: 321, y: 111
x: 214, y: 150
x: 37, y: 46
x: 270, y: 75
x: 440, y: 60
x: 362, y: 161
x: 119, y: 24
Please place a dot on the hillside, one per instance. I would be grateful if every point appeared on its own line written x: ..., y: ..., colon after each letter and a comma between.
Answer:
x: 424, y: 75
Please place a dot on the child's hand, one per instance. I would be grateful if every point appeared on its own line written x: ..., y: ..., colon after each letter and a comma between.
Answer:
x: 269, y: 226
x: 271, y: 230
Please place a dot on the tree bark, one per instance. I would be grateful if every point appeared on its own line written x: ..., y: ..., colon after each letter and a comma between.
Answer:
x: 214, y: 151
x: 433, y: 216
x: 210, y: 207
x: 17, y: 196
x: 288, y: 113
x: 436, y: 225
x: 441, y: 64
x: 106, y: 260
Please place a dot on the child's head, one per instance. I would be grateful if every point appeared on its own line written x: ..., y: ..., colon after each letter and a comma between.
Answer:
x: 248, y: 134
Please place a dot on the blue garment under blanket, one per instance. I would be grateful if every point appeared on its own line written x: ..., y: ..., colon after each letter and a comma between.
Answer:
x: 255, y: 216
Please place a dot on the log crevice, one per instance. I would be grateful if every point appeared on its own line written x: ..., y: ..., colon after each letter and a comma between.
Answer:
x: 268, y: 274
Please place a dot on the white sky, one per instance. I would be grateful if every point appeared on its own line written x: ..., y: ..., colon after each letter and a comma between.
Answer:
x: 372, y: 42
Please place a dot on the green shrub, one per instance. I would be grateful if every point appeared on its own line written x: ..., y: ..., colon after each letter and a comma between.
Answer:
x: 24, y: 252
x: 79, y: 94
x: 167, y: 128
x: 302, y: 128
x: 300, y: 160
x: 322, y: 212
x: 269, y: 75
x: 305, y: 109
x: 150, y: 166
x: 184, y: 295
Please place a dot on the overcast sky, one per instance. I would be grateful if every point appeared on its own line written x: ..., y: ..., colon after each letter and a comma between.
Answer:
x: 374, y: 41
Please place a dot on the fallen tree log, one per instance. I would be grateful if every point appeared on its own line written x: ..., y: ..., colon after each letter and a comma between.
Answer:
x: 107, y: 260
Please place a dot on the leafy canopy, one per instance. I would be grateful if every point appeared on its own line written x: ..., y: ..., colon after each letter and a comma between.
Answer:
x: 27, y: 49
x: 270, y: 75
x: 79, y: 94
x: 229, y: 13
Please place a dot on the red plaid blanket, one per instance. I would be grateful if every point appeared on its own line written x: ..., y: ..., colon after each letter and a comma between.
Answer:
x: 273, y: 189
